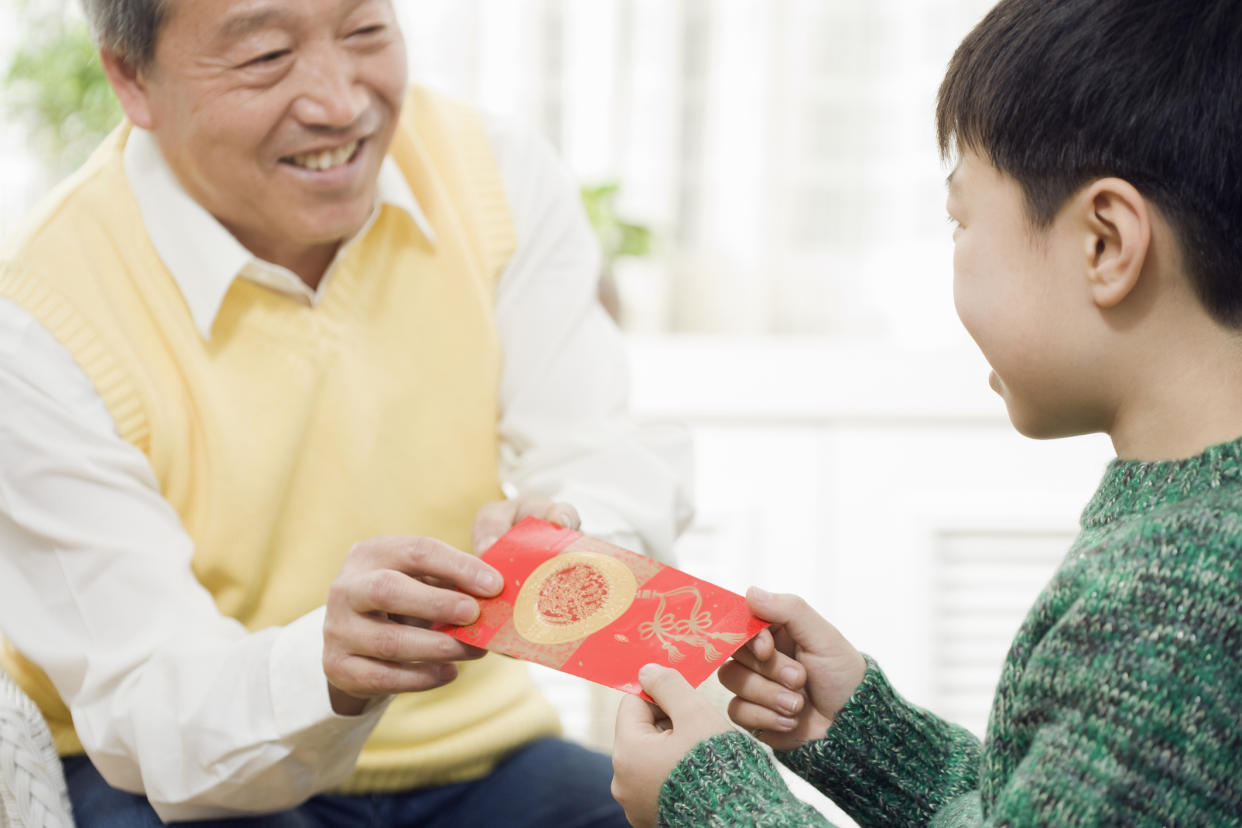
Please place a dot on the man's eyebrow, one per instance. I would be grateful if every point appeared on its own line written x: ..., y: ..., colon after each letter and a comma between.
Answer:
x: 243, y: 24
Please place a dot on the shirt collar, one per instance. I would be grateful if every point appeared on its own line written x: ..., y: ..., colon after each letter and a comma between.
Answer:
x: 203, y: 257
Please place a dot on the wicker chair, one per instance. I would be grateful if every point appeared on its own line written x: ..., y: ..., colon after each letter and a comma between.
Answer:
x: 32, y: 784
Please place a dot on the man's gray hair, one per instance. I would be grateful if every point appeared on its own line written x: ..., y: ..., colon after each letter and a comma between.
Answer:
x: 127, y: 27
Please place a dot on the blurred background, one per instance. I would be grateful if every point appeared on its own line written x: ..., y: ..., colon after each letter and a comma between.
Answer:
x: 766, y: 187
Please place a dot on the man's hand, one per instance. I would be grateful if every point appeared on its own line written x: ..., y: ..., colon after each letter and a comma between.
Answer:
x: 376, y: 640
x: 650, y: 741
x: 494, y: 519
x: 792, y: 679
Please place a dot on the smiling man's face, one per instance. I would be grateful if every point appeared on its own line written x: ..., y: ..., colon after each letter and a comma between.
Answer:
x: 276, y: 115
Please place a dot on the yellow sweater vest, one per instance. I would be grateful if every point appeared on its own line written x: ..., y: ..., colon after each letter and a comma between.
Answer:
x: 295, y: 431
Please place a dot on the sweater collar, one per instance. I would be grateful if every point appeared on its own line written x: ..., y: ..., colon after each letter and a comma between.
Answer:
x: 202, y: 256
x: 1134, y: 486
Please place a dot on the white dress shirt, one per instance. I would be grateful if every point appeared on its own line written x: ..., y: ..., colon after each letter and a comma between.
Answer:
x: 170, y: 697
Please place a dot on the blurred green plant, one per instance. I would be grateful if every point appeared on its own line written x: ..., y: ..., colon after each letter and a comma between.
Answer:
x: 56, y: 87
x: 617, y: 237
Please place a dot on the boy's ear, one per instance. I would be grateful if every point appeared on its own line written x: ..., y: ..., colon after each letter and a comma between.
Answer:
x: 130, y: 85
x: 1118, y: 234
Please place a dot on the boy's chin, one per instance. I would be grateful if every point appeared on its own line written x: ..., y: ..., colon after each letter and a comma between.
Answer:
x: 1031, y: 424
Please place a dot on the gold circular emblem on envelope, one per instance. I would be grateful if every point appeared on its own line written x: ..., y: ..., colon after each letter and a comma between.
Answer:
x: 571, y: 596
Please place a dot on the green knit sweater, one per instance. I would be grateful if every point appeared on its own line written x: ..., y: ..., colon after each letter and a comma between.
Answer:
x: 1120, y: 702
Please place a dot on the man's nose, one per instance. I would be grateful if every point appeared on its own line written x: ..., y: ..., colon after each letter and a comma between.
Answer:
x: 331, y: 94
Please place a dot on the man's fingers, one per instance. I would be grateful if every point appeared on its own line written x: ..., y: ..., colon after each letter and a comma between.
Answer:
x: 419, y: 557
x: 363, y: 677
x: 547, y: 509
x: 803, y: 624
x: 561, y: 514
x: 395, y: 641
x: 492, y: 521
x: 394, y: 593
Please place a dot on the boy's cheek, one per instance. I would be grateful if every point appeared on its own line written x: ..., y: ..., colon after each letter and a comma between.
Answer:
x: 967, y: 313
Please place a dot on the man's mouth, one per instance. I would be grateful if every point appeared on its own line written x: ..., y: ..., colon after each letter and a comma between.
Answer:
x: 325, y: 159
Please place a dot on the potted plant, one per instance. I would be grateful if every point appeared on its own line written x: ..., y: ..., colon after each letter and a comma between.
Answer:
x: 617, y: 238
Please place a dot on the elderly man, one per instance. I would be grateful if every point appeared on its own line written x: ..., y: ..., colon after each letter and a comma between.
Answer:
x: 265, y: 361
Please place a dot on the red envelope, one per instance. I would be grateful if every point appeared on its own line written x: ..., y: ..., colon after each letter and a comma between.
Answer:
x: 595, y: 610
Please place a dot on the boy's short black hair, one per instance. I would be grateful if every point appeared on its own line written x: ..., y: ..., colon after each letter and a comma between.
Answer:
x: 1058, y: 93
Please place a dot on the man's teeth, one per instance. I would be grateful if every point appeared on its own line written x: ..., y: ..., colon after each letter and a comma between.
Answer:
x: 327, y: 159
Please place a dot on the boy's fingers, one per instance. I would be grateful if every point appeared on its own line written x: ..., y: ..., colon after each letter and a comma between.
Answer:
x: 634, y: 715
x: 803, y: 624
x: 762, y: 645
x: 755, y: 687
x: 754, y: 717
x: 670, y: 690
x: 779, y: 667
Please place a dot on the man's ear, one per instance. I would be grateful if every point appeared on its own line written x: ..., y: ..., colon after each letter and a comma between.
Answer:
x: 1118, y: 235
x: 130, y: 85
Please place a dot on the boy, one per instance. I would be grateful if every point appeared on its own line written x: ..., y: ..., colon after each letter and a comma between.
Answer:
x: 1097, y: 199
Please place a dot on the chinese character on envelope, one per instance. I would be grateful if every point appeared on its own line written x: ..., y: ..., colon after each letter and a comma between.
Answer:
x: 595, y: 610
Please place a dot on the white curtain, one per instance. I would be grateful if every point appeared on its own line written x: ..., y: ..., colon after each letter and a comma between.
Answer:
x: 783, y: 151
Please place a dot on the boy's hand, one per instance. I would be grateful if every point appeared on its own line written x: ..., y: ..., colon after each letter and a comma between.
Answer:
x: 494, y: 519
x: 650, y: 741
x: 792, y: 679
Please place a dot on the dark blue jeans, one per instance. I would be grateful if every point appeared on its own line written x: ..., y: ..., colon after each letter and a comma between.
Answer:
x: 547, y: 784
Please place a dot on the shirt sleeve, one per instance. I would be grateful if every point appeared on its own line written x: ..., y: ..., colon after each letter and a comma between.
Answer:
x: 565, y: 427
x: 96, y: 588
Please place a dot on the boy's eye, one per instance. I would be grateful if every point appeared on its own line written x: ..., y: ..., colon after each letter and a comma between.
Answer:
x: 955, y: 224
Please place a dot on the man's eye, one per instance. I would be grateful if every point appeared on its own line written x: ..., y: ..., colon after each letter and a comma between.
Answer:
x: 267, y: 57
x: 368, y: 31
